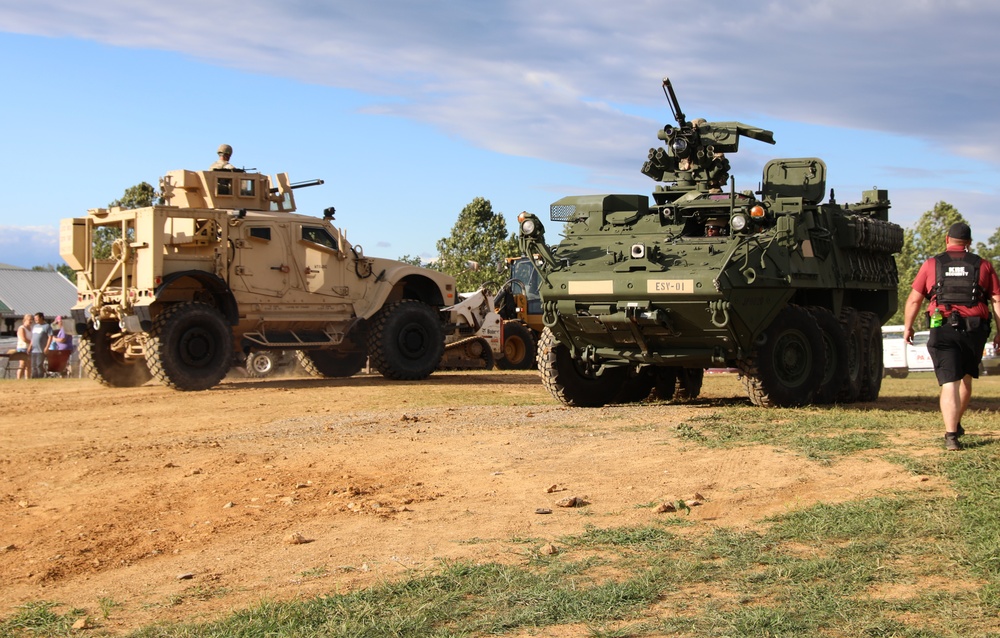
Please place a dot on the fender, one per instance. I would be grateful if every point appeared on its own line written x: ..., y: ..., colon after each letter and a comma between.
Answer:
x: 212, y: 283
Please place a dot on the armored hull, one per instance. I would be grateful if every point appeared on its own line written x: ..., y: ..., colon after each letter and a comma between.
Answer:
x: 790, y: 290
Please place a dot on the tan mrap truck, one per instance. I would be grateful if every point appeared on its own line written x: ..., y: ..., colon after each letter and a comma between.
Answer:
x: 223, y: 267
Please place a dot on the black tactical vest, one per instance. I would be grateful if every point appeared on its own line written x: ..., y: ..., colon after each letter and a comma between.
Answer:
x: 957, y: 282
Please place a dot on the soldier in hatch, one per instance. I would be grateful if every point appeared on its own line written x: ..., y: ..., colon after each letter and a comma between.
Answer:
x: 222, y: 164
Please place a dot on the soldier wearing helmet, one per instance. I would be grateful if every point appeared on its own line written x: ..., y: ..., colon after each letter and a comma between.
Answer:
x: 716, y: 227
x: 222, y: 164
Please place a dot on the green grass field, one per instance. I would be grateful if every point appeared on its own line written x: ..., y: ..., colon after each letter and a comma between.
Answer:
x: 913, y: 564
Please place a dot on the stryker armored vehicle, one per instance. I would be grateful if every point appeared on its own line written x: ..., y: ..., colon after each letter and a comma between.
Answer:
x: 223, y: 268
x: 647, y: 292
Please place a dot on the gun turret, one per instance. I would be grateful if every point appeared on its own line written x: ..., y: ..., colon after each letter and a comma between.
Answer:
x: 694, y: 157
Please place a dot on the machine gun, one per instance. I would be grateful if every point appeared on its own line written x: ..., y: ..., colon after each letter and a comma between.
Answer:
x: 694, y: 154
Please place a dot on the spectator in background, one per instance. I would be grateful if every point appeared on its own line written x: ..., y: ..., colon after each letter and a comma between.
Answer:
x: 24, y: 347
x: 41, y: 339
x: 61, y: 348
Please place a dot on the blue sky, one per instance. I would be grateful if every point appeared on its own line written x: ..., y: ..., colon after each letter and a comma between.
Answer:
x: 410, y: 109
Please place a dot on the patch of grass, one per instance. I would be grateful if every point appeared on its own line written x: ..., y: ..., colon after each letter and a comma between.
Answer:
x: 647, y: 538
x: 462, y: 600
x: 198, y: 592
x: 39, y: 619
x: 107, y: 605
x: 818, y: 435
x: 975, y: 474
x: 825, y: 448
x: 315, y: 572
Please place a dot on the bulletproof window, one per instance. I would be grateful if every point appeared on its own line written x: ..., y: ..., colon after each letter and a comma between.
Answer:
x: 261, y: 232
x: 224, y: 186
x: 318, y: 235
x: 248, y: 188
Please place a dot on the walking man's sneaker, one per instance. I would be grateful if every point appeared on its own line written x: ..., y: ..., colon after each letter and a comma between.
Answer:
x: 951, y: 441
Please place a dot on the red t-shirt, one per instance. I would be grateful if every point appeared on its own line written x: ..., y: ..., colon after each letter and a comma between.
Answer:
x: 988, y: 283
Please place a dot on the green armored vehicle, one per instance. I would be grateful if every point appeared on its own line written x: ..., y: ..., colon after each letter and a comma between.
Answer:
x: 648, y: 292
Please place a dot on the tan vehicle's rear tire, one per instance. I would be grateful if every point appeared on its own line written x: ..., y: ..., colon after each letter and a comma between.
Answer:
x: 190, y: 346
x: 104, y: 364
x: 331, y: 363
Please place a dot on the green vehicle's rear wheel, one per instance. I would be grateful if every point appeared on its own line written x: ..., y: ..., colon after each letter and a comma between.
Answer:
x: 835, y: 347
x: 871, y: 356
x: 850, y: 389
x: 637, y: 386
x: 788, y: 367
x: 677, y: 383
x: 571, y: 381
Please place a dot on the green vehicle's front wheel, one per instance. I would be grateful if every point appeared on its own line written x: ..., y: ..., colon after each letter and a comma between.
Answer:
x: 572, y: 382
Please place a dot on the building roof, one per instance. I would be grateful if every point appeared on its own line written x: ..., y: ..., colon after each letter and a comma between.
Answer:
x: 25, y: 291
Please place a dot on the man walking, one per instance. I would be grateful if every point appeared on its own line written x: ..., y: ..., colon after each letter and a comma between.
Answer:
x: 961, y: 287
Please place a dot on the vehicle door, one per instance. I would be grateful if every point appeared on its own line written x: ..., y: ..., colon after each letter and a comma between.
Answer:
x: 317, y: 255
x: 263, y: 265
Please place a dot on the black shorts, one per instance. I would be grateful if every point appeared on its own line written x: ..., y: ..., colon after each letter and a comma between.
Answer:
x: 956, y: 352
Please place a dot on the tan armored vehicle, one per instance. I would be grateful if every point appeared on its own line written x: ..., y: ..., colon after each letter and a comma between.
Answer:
x: 224, y: 268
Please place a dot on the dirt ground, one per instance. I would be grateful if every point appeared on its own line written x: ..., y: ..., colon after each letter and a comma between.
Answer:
x: 145, y: 505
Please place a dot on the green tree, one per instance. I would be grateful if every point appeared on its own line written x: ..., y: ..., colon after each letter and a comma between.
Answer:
x: 477, y: 246
x: 412, y: 260
x: 138, y: 196
x: 920, y: 243
x: 991, y: 249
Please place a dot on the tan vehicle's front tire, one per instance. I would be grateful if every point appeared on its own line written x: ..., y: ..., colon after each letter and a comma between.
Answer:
x: 190, y: 346
x: 406, y: 340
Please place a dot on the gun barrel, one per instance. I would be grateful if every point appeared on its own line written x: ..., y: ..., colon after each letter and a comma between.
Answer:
x: 309, y: 182
x: 675, y: 106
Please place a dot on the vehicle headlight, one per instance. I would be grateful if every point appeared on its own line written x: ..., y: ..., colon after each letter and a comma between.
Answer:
x: 528, y: 227
x: 739, y: 222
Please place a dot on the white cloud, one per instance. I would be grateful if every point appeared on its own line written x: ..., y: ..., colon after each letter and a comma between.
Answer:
x: 28, y: 246
x: 541, y: 80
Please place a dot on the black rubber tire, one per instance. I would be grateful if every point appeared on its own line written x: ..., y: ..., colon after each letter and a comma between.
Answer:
x: 637, y: 386
x: 788, y: 366
x: 850, y: 321
x: 106, y: 366
x: 519, y: 347
x: 691, y: 381
x: 674, y: 383
x: 569, y: 382
x: 331, y: 363
x: 261, y: 364
x: 190, y: 346
x: 406, y: 340
x: 835, y: 346
x: 871, y: 356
